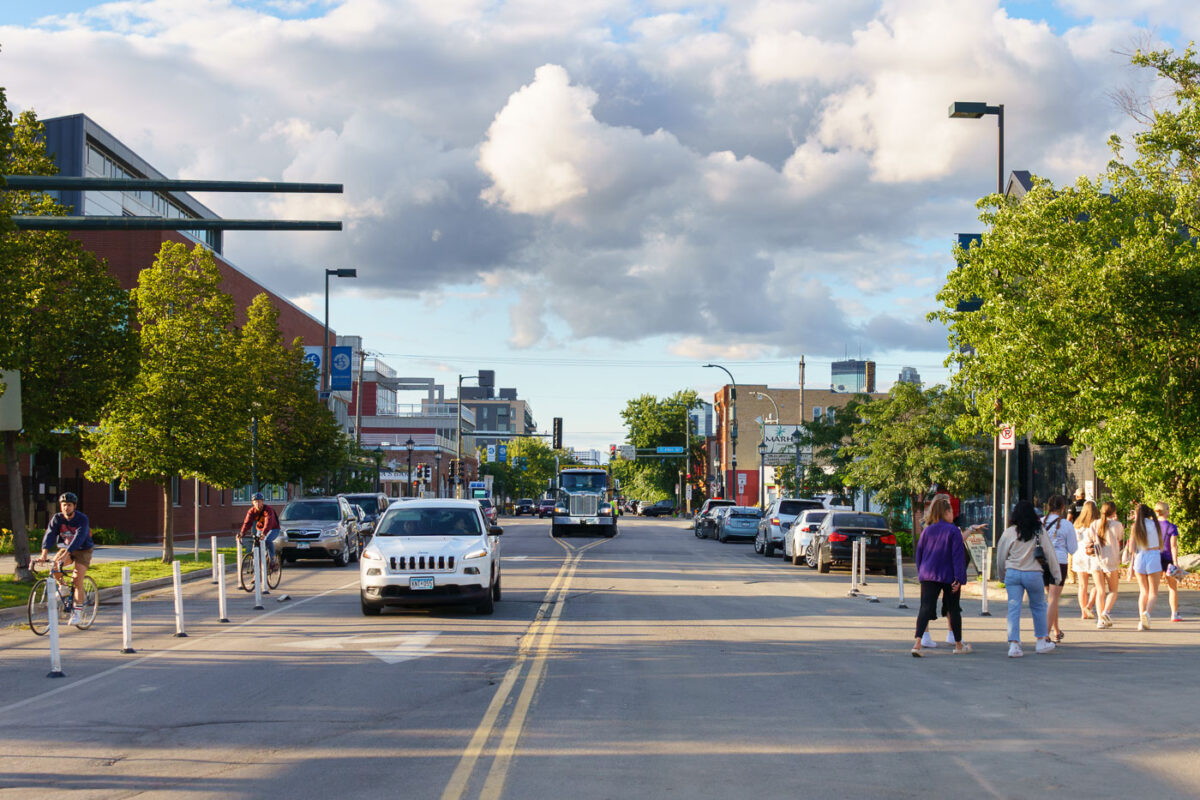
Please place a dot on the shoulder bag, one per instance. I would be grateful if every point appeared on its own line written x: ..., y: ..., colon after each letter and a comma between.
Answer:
x: 1039, y: 555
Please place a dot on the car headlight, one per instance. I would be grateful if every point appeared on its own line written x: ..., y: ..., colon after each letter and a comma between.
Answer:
x: 560, y: 510
x: 479, y: 553
x: 329, y: 533
x: 371, y: 555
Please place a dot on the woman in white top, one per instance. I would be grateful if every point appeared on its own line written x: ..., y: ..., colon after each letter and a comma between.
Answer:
x: 1145, y: 547
x: 1062, y: 534
x: 1103, y: 539
x: 1083, y: 563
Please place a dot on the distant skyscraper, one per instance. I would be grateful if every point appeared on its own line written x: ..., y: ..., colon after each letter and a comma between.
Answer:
x: 853, y: 376
x: 909, y: 375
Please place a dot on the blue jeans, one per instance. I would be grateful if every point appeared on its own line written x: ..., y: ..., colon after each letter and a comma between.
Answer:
x: 1018, y: 582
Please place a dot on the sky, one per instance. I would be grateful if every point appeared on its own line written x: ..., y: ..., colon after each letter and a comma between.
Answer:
x: 596, y: 198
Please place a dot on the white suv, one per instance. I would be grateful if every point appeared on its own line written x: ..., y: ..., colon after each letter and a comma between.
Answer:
x: 430, y: 553
x: 798, y: 542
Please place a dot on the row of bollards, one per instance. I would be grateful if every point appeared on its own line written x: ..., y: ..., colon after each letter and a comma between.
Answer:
x: 53, y: 600
x: 858, y: 570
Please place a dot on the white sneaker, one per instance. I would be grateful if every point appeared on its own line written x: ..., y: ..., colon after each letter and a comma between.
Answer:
x: 1107, y: 620
x: 76, y: 618
x: 927, y: 640
x: 1045, y: 646
x: 950, y: 638
x: 1144, y: 625
x: 1100, y: 623
x: 1014, y: 650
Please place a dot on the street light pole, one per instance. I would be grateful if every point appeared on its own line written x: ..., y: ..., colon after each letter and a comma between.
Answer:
x: 438, y: 480
x: 974, y: 110
x: 337, y: 273
x: 762, y: 474
x: 796, y: 437
x: 409, y: 445
x: 733, y: 421
x: 458, y: 444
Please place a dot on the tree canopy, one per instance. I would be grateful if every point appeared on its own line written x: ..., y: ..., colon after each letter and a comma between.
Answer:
x: 651, y: 423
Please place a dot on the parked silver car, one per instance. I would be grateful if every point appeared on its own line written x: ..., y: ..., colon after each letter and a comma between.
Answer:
x: 320, y: 527
x: 777, y: 519
x: 797, y: 545
x: 738, y: 522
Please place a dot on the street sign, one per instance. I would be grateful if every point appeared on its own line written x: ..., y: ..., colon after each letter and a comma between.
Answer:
x: 1008, y: 438
x: 10, y: 401
x: 339, y: 369
x: 312, y: 355
x: 491, y: 452
x: 976, y: 545
x: 689, y: 492
x: 502, y: 452
x: 627, y: 452
x: 669, y: 451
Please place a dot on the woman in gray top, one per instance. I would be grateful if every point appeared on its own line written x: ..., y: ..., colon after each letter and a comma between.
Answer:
x: 1019, y: 569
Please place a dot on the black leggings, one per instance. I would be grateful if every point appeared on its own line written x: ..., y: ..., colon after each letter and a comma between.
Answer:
x: 951, y: 607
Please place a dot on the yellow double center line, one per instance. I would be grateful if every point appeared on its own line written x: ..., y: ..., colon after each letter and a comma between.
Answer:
x: 533, y: 651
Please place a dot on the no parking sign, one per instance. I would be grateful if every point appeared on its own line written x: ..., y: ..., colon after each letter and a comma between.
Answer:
x: 1008, y: 438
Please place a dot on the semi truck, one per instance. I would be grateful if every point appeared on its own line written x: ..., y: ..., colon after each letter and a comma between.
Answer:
x: 583, y: 503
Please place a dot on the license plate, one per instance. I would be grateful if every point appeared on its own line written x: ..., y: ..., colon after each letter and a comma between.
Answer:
x: 423, y: 582
x: 301, y: 545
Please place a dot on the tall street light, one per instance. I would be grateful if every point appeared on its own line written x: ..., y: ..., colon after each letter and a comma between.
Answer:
x: 796, y: 437
x: 337, y: 273
x: 733, y: 421
x: 762, y: 448
x: 973, y: 110
x: 409, y: 445
x: 437, y: 486
x: 458, y: 479
x: 762, y: 473
x: 378, y: 467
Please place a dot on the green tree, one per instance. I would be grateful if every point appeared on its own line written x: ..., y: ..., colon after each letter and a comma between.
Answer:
x: 906, y: 442
x: 290, y: 435
x: 652, y: 422
x: 66, y: 324
x: 179, y: 416
x: 1090, y: 318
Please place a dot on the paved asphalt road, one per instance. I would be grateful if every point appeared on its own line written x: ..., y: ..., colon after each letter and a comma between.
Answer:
x: 651, y: 665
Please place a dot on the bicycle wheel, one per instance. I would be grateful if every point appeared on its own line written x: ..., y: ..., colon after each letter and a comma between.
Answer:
x: 91, y: 604
x: 246, y: 573
x: 274, y: 572
x: 39, y: 620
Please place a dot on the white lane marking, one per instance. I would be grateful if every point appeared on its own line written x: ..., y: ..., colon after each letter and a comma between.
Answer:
x: 408, y: 646
x: 515, y: 558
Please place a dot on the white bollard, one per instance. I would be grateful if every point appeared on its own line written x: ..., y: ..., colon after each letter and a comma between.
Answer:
x: 214, y: 558
x: 987, y: 572
x: 177, y: 579
x: 862, y: 562
x: 220, y: 570
x: 126, y: 613
x: 900, y: 576
x: 258, y: 606
x: 262, y: 560
x: 52, y: 602
x: 853, y: 570
x: 237, y: 565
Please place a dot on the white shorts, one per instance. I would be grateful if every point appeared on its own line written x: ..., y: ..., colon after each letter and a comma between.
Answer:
x: 1082, y: 562
x: 1147, y: 562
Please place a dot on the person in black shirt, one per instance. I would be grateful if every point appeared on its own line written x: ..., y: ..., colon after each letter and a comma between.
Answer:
x: 70, y: 532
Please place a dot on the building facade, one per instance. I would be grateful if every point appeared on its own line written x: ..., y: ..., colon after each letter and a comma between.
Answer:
x: 852, y: 376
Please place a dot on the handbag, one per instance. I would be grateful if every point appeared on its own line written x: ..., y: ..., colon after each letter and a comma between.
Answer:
x: 1039, y: 555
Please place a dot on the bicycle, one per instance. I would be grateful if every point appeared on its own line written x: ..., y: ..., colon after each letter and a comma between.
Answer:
x: 63, y: 579
x: 246, y: 569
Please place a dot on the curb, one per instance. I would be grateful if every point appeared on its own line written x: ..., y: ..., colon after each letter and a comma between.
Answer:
x: 14, y: 614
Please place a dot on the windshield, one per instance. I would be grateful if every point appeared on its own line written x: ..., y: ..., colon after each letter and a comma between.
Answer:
x: 323, y: 511
x: 794, y: 507
x: 858, y: 521
x: 584, y: 481
x: 369, y: 503
x: 745, y: 512
x: 484, y: 502
x: 429, y: 522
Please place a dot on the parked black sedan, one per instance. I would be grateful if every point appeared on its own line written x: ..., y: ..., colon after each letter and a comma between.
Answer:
x: 659, y: 509
x: 835, y: 538
x: 738, y: 522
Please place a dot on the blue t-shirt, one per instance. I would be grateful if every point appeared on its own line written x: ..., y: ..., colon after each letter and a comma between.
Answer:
x: 74, y: 533
x: 1169, y: 531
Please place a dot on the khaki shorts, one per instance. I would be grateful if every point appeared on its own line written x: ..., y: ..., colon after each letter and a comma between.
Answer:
x: 82, y: 557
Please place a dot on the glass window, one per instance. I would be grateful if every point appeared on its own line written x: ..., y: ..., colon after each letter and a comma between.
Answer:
x: 816, y: 413
x: 401, y: 521
x: 116, y: 495
x: 858, y: 521
x: 317, y: 510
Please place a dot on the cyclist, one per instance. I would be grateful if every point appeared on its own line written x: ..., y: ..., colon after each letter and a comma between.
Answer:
x: 70, y: 531
x: 262, y: 518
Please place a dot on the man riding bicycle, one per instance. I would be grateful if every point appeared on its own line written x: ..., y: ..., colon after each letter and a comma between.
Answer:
x: 264, y: 520
x: 71, y: 533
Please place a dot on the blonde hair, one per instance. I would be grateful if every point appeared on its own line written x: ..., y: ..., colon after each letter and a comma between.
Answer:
x: 937, y: 508
x: 1086, y: 516
x: 1108, y: 511
x: 1162, y: 509
x: 1141, y: 518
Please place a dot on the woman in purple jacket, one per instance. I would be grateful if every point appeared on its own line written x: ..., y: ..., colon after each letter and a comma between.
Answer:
x: 942, y: 570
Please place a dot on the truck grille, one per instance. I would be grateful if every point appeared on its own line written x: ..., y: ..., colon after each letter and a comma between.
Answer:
x: 584, y: 505
x: 422, y: 563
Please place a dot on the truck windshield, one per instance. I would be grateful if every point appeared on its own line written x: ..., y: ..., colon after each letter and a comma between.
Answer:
x: 584, y: 481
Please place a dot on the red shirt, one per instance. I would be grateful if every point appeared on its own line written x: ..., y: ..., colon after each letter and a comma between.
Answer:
x: 265, y: 520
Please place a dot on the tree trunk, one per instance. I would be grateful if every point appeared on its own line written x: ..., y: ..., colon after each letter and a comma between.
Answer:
x: 168, y: 523
x: 916, y: 526
x: 16, y: 505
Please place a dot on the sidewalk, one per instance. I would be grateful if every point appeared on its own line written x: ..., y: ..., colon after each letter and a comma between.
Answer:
x: 129, y: 552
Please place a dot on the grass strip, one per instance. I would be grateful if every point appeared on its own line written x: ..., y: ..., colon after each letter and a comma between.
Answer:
x: 108, y: 574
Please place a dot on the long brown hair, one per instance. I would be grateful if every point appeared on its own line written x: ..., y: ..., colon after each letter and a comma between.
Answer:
x: 1108, y: 511
x: 937, y: 508
x: 1086, y: 516
x: 1143, y: 515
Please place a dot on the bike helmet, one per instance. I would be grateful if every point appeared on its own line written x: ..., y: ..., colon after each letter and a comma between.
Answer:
x: 258, y: 496
x: 68, y: 497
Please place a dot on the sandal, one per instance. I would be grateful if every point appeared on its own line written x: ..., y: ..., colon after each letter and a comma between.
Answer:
x: 1060, y: 636
x: 916, y: 652
x: 966, y: 648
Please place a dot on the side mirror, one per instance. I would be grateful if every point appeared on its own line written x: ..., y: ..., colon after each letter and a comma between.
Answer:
x: 495, y: 530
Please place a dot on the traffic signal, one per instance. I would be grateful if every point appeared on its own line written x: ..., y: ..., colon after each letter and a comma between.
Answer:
x: 612, y: 452
x: 427, y: 472
x: 453, y: 469
x: 558, y: 433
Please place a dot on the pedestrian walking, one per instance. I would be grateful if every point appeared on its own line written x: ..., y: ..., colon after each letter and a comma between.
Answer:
x: 927, y: 640
x: 1062, y: 534
x: 1105, y: 538
x: 1145, y: 549
x: 942, y: 571
x: 1020, y: 567
x: 1170, y: 556
x: 1082, y: 562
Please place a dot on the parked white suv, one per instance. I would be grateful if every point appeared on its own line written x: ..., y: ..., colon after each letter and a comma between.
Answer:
x: 431, y: 553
